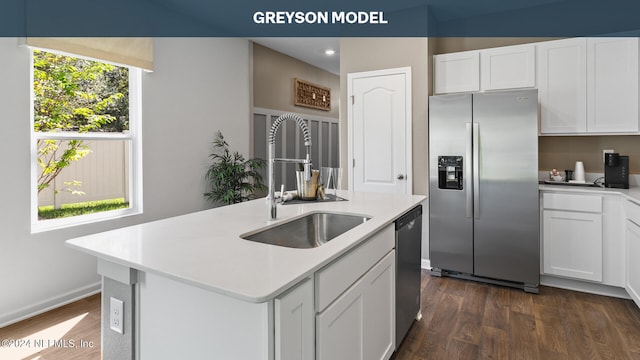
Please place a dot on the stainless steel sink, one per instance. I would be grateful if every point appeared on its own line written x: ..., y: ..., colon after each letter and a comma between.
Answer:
x: 309, y: 231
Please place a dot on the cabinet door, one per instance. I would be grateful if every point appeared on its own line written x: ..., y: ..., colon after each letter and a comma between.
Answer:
x: 457, y: 72
x: 633, y: 265
x: 360, y: 324
x: 572, y: 244
x: 508, y: 67
x: 613, y: 243
x: 294, y: 330
x: 562, y: 86
x: 612, y: 86
x: 379, y: 308
x: 340, y: 328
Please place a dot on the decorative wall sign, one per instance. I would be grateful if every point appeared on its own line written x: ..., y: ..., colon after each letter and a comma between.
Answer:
x: 311, y: 95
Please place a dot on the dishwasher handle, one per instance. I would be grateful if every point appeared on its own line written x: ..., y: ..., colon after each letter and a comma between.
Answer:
x: 410, y: 216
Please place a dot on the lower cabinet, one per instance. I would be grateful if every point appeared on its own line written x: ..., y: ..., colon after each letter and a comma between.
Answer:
x: 591, y: 236
x: 360, y: 324
x: 345, y: 311
x: 572, y: 236
x: 294, y: 330
x: 573, y: 244
x: 632, y: 230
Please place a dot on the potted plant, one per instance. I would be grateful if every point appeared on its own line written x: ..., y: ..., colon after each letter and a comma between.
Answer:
x: 232, y: 179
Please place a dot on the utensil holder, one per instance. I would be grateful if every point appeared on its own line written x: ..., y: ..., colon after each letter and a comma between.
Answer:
x: 307, y: 189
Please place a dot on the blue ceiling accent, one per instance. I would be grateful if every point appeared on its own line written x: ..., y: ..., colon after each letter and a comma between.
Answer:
x: 406, y: 18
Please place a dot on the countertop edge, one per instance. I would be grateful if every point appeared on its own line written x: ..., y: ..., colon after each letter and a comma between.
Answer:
x: 632, y: 194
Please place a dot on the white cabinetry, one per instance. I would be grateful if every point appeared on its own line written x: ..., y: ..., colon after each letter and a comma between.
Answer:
x: 562, y: 86
x: 572, y: 236
x: 612, y: 85
x: 583, y: 236
x: 588, y: 85
x: 632, y: 238
x: 357, y: 321
x: 508, y: 67
x: 457, y: 72
x: 294, y: 329
x: 613, y: 254
x: 360, y: 324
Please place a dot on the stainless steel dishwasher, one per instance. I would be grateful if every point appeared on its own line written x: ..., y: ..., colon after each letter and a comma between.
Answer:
x: 408, y: 278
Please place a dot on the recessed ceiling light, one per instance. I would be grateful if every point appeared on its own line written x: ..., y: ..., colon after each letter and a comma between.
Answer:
x: 330, y: 52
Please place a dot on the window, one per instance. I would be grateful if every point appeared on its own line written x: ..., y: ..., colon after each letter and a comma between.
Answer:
x: 85, y: 142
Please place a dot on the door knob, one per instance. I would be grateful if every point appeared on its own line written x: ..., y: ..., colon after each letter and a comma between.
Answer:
x: 400, y: 177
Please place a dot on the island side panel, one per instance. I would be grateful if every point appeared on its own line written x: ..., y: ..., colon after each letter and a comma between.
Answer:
x: 118, y: 283
x: 181, y: 321
x: 116, y: 345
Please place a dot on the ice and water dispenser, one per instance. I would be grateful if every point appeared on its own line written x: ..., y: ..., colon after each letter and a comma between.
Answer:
x: 450, y: 172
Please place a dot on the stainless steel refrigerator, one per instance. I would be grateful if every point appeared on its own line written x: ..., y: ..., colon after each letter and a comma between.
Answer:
x: 483, y: 194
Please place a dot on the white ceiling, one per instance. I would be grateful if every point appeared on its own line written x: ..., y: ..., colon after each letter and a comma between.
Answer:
x: 309, y: 50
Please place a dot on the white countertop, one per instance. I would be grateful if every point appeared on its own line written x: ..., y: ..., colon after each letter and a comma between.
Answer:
x: 632, y: 194
x: 205, y: 249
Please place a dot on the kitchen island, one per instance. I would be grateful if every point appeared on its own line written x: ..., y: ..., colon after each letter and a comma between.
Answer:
x: 193, y: 288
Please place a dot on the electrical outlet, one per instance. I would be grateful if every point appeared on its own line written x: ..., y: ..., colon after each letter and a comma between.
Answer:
x: 116, y: 315
x: 606, y: 152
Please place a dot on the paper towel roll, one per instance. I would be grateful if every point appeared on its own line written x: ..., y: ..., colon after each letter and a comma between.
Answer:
x: 578, y: 172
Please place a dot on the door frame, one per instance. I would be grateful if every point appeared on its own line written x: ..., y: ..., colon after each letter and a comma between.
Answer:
x: 406, y: 71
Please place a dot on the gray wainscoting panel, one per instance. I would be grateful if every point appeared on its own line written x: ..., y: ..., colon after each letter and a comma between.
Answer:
x: 290, y: 144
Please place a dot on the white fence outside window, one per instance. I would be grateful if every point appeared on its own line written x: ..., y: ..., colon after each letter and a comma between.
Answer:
x: 104, y: 174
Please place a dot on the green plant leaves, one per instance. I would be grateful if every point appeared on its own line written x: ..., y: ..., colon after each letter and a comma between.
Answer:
x: 232, y: 179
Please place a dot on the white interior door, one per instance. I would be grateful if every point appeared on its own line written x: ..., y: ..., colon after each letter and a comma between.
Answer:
x: 379, y: 111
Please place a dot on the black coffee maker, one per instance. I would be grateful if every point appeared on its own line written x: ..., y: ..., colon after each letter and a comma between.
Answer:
x: 616, y: 171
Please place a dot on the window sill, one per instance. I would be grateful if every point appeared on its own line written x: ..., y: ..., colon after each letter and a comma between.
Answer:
x: 40, y: 226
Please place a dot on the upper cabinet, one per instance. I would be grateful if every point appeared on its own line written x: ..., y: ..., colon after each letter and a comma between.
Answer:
x: 508, y: 67
x: 588, y: 86
x: 562, y: 86
x: 457, y: 72
x: 612, y: 85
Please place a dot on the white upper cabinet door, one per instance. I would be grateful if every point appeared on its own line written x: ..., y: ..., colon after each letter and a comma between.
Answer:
x: 457, y: 72
x: 612, y: 82
x: 508, y: 67
x: 562, y: 86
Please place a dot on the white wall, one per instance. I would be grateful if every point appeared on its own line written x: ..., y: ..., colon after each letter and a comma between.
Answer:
x: 198, y: 86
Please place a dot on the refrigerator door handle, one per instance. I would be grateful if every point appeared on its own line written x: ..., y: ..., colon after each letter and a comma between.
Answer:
x: 468, y: 170
x: 476, y: 170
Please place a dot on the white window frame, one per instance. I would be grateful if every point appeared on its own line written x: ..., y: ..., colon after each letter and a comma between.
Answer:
x: 135, y: 157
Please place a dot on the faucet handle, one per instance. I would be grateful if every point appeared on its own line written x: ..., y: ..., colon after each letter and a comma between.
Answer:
x: 307, y: 171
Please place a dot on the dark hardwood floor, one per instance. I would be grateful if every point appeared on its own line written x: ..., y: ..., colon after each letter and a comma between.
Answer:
x: 461, y: 320
x: 469, y: 320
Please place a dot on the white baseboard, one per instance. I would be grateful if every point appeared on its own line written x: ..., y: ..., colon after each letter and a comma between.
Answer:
x: 569, y: 284
x: 425, y: 264
x: 50, y: 304
x: 583, y: 286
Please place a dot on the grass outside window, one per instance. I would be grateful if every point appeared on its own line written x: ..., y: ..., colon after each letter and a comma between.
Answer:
x: 82, y: 208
